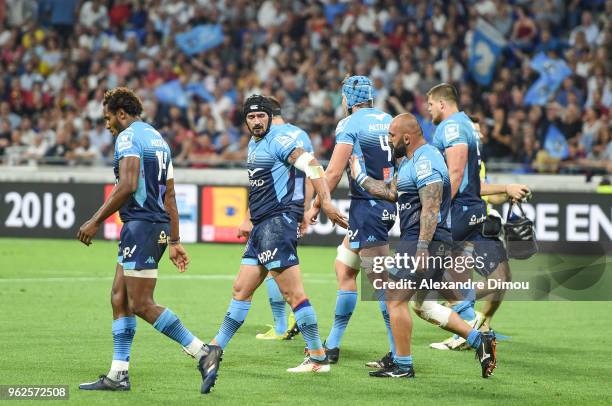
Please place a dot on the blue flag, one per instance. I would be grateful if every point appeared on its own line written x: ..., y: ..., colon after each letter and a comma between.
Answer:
x: 552, y: 73
x: 487, y: 44
x: 201, y: 38
x: 175, y: 94
x: 555, y: 143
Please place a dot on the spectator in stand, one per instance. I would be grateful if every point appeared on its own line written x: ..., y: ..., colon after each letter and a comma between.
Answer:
x: 61, y: 153
x: 52, y: 57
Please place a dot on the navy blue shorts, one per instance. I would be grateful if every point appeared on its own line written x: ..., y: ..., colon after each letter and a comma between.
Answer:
x: 142, y: 244
x: 370, y: 222
x: 273, y: 243
x: 466, y: 225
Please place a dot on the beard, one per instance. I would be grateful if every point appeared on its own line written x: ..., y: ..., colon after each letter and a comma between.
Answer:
x: 399, y: 151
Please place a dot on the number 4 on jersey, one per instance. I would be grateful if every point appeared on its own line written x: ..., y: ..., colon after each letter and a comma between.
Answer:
x: 384, y: 144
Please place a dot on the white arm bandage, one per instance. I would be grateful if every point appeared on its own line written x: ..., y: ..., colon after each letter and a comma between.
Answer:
x: 311, y: 171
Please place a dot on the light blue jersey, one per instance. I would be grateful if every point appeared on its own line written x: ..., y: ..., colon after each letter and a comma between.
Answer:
x: 367, y: 130
x: 424, y: 168
x: 455, y: 130
x: 144, y: 142
x: 302, y: 141
x: 271, y: 178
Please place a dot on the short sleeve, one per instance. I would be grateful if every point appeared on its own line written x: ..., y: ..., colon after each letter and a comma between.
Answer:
x: 282, y: 146
x: 126, y: 145
x: 453, y: 134
x: 306, y: 142
x: 426, y: 173
x: 343, y: 133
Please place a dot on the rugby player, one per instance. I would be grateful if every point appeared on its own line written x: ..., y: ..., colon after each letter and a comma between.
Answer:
x: 144, y: 195
x: 459, y: 141
x: 422, y: 188
x: 285, y: 328
x: 491, y: 194
x: 363, y: 133
x: 271, y: 247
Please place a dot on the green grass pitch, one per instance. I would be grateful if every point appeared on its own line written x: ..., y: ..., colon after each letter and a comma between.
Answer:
x: 55, y: 320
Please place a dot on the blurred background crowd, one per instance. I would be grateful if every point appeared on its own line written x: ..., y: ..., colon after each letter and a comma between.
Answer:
x: 192, y: 62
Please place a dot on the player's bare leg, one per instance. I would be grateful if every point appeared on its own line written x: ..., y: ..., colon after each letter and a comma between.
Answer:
x: 494, y: 297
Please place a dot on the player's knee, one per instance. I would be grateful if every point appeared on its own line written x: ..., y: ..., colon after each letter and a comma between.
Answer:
x: 140, y: 307
x: 347, y: 257
x: 432, y: 312
x: 239, y: 292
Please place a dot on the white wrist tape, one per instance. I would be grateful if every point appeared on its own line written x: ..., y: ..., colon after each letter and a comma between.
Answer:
x: 311, y: 171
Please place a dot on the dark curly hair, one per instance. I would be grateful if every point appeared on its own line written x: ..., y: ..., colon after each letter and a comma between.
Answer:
x: 122, y: 98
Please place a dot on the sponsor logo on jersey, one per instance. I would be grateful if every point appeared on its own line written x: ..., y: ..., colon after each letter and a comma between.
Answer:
x: 158, y: 143
x: 386, y: 216
x: 284, y: 140
x: 451, y: 132
x: 378, y: 127
x: 267, y: 255
x: 476, y: 220
x: 423, y: 169
x: 124, y: 142
x: 405, y: 206
x: 291, y: 258
x: 342, y: 124
x: 379, y: 117
x: 352, y: 234
x: 252, y: 172
x: 256, y: 182
x: 150, y: 260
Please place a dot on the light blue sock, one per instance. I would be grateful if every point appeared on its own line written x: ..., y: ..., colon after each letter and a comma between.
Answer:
x: 474, y: 339
x: 236, y: 313
x: 277, y: 303
x: 170, y: 325
x: 385, y: 314
x: 124, y: 330
x: 345, y: 305
x: 306, y: 319
x: 403, y: 362
x: 465, y: 309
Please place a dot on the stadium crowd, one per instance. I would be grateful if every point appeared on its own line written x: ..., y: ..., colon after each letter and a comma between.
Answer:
x: 58, y: 56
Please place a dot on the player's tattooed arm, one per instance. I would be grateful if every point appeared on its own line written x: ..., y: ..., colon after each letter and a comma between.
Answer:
x: 431, y: 198
x: 377, y: 188
x: 380, y: 189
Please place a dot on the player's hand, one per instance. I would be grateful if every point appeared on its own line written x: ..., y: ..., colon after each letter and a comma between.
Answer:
x: 179, y: 257
x: 87, y: 231
x: 303, y: 228
x: 517, y: 192
x: 334, y: 214
x: 355, y: 166
x: 244, y: 229
x: 311, y: 215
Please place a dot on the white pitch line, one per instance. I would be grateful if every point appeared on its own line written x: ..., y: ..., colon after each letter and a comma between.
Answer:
x: 217, y: 277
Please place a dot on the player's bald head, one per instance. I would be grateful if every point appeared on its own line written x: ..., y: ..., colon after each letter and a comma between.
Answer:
x: 406, y: 123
